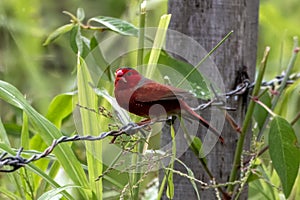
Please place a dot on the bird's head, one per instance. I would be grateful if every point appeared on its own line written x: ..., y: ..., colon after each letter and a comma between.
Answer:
x: 127, y: 78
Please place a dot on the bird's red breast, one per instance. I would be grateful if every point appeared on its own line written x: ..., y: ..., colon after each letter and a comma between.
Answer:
x: 145, y: 97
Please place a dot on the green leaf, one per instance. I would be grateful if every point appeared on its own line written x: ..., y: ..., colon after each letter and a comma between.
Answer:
x: 90, y: 125
x: 93, y: 43
x: 25, y: 132
x: 55, y: 193
x: 122, y: 114
x: 284, y: 152
x: 289, y: 103
x: 60, y: 107
x: 80, y: 14
x: 3, y: 134
x: 79, y: 42
x: 25, y: 140
x: 196, y: 147
x: 48, y: 132
x: 190, y: 174
x: 36, y: 170
x: 198, y: 83
x: 85, y: 46
x: 13, y: 129
x: 170, y: 183
x: 260, y: 114
x: 58, y: 32
x: 9, y: 194
x: 16, y: 177
x: 260, y: 188
x: 117, y: 25
x: 75, y: 39
x: 170, y: 186
x: 158, y: 43
x: 99, y: 61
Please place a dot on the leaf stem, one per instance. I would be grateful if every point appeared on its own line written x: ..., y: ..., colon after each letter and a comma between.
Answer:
x: 264, y: 106
x: 247, y: 122
x: 158, y: 43
x: 140, y: 55
x: 205, y: 57
x: 288, y: 72
x: 295, y: 119
x: 282, y: 85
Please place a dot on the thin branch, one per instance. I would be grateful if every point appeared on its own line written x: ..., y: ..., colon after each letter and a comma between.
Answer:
x: 293, y: 122
x: 240, y: 144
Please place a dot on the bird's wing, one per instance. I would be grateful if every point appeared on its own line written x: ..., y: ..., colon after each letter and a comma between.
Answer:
x: 152, y: 91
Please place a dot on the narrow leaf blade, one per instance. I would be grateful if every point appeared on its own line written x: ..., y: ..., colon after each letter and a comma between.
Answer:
x: 87, y: 98
x: 48, y: 132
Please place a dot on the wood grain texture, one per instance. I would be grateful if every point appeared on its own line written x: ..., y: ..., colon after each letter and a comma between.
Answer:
x: 208, y: 21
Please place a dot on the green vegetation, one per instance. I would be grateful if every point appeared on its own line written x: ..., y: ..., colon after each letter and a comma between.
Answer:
x: 49, y: 87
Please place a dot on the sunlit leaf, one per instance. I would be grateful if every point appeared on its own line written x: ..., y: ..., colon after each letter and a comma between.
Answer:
x: 284, y: 152
x: 60, y: 107
x: 48, y: 132
x: 158, y: 44
x: 80, y: 14
x: 120, y: 26
x: 259, y: 189
x: 58, y: 32
x: 196, y: 147
x: 90, y: 125
x: 56, y: 193
x: 170, y: 186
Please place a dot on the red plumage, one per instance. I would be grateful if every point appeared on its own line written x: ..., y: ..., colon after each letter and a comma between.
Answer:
x: 138, y: 95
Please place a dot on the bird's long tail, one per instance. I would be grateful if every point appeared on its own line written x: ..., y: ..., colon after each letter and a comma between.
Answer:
x: 202, y: 120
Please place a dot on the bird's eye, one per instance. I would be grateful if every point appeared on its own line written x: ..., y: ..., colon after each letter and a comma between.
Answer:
x: 129, y: 73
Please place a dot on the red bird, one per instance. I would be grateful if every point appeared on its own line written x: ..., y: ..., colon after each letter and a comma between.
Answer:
x: 144, y: 97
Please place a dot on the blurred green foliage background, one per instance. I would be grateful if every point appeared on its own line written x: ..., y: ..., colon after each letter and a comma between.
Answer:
x: 279, y: 22
x: 42, y: 72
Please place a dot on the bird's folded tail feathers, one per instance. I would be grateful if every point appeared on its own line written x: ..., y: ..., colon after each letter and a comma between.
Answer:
x: 202, y: 121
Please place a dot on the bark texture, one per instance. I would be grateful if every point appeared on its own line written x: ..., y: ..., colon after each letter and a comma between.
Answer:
x: 208, y: 21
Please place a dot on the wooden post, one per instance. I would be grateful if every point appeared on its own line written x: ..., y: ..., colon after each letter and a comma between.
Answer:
x: 208, y: 21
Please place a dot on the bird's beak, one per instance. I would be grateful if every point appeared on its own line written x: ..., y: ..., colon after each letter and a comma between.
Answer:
x: 121, y: 79
x: 119, y: 76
